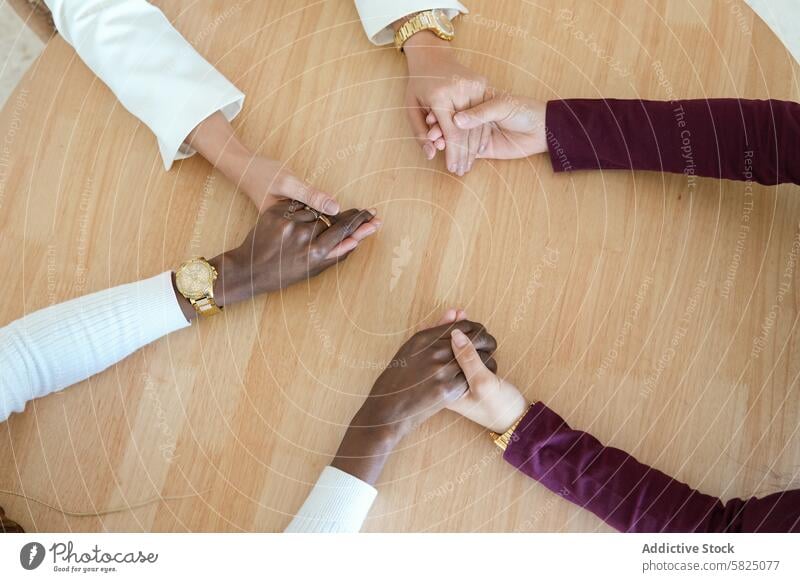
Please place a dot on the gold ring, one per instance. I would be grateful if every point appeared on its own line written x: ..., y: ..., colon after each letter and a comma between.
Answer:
x: 319, y: 216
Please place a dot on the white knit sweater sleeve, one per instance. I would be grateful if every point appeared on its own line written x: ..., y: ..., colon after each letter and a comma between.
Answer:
x: 339, y: 503
x: 154, y: 72
x: 61, y: 345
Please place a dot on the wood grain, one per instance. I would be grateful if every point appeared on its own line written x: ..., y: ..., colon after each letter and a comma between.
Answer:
x: 626, y: 301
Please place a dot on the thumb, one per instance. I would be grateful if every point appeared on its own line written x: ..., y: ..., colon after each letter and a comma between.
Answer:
x: 467, y: 357
x: 320, y: 201
x: 488, y: 111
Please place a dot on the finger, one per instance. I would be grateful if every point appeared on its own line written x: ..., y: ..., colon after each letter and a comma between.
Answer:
x: 351, y: 242
x: 473, y: 143
x: 434, y: 133
x: 430, y: 119
x: 416, y: 117
x: 489, y: 362
x: 482, y: 340
x: 439, y: 144
x: 442, y: 332
x: 449, y: 316
x: 461, y: 315
x: 467, y: 357
x: 485, y: 137
x: 367, y: 229
x: 486, y: 112
x: 344, y: 225
x: 455, y: 138
x: 291, y: 209
x: 345, y: 247
x: 296, y: 189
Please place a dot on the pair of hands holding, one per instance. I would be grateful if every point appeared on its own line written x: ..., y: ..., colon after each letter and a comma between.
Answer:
x: 452, y: 109
x: 289, y: 243
x: 446, y: 366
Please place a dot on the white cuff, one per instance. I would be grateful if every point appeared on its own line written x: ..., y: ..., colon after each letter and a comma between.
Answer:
x: 228, y: 102
x: 377, y: 16
x: 160, y: 310
x: 339, y: 503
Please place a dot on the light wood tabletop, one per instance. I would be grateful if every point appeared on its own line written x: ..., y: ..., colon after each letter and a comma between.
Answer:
x: 659, y: 317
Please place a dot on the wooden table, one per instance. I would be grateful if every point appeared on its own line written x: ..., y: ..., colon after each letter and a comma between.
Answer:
x: 651, y: 315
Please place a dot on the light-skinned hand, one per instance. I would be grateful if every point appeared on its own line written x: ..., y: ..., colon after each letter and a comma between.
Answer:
x: 265, y: 181
x: 514, y: 127
x: 421, y: 380
x: 441, y: 86
x: 490, y: 401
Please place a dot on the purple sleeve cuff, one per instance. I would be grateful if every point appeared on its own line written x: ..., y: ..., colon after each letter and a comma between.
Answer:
x: 629, y: 495
x: 736, y: 139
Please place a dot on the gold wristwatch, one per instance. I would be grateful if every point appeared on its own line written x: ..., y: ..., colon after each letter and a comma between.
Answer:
x: 195, y: 281
x: 434, y: 20
x: 502, y: 440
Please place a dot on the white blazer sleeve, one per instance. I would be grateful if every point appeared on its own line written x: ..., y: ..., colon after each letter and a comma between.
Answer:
x: 154, y: 72
x: 61, y: 345
x: 339, y: 503
x: 378, y: 15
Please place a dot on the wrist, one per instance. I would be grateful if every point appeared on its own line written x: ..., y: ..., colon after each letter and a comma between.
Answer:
x: 233, y: 282
x: 215, y: 140
x: 424, y: 43
x: 364, y: 450
x: 509, y: 413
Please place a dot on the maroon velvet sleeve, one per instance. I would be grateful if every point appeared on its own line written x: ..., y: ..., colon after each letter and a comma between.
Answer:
x: 737, y: 139
x: 628, y: 495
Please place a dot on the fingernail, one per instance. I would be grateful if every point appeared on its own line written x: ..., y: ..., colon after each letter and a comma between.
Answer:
x: 459, y: 338
x: 373, y: 211
x: 429, y: 151
x: 453, y: 168
x: 330, y: 207
x: 461, y: 119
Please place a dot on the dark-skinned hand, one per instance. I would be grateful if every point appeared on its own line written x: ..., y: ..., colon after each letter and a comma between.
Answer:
x: 287, y: 245
x: 422, y: 379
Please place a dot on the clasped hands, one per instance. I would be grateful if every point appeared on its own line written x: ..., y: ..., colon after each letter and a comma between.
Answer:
x: 453, y: 109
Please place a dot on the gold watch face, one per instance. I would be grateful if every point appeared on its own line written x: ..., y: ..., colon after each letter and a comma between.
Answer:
x: 195, y: 279
x: 444, y: 22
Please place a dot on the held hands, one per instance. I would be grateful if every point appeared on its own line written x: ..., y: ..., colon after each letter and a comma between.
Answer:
x: 287, y: 245
x: 514, y: 127
x: 422, y: 379
x: 438, y: 87
x: 490, y: 401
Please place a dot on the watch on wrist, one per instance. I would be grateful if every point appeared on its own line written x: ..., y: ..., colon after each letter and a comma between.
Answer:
x: 502, y: 440
x: 434, y: 20
x: 195, y: 281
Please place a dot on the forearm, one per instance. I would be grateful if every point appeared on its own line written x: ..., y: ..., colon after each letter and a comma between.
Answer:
x: 61, y: 345
x: 629, y: 495
x: 215, y: 139
x: 344, y: 493
x: 736, y: 139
